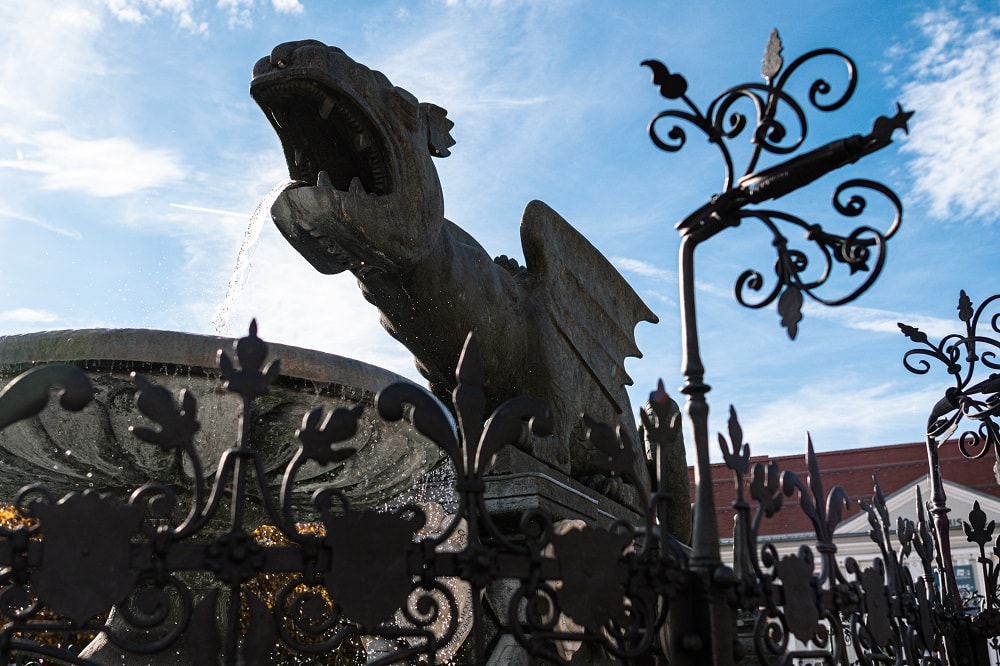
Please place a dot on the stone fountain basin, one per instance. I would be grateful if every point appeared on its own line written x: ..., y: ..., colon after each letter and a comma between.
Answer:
x: 93, y: 448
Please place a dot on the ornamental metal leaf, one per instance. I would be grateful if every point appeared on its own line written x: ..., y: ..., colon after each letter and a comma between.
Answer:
x: 964, y: 306
x: 790, y: 309
x: 671, y: 85
x: 913, y: 333
x: 177, y: 426
x: 318, y: 435
x: 736, y: 458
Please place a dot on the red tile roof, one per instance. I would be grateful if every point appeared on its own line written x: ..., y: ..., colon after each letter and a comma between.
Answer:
x: 895, y: 466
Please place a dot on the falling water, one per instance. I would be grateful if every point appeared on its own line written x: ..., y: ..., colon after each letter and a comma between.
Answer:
x: 220, y: 321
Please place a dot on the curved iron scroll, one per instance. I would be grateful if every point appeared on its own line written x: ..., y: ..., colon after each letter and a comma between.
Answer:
x: 967, y: 357
x: 347, y: 576
x: 721, y: 122
x: 861, y: 250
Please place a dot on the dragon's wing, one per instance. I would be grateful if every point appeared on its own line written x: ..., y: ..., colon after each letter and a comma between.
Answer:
x: 590, y: 303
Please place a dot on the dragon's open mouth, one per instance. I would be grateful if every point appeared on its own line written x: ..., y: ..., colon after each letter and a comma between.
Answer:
x: 323, y: 131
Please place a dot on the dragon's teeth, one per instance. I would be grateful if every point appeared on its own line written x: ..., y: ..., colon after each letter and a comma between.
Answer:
x: 325, y: 108
x: 323, y: 180
x: 356, y: 187
x: 362, y: 141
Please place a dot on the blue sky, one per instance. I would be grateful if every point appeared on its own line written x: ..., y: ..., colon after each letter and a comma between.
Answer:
x: 131, y: 158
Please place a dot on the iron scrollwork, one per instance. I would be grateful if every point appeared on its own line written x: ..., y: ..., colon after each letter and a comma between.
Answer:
x: 343, y: 575
x: 965, y: 356
x: 861, y: 250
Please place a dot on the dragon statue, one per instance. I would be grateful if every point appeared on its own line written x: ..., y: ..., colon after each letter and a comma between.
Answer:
x: 366, y: 199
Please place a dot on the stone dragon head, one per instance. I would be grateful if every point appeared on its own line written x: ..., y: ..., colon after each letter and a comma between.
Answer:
x: 366, y: 194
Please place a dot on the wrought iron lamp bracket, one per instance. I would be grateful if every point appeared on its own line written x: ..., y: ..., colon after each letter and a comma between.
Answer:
x: 861, y: 250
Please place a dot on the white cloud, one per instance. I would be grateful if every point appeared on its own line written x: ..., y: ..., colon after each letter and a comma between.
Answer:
x: 181, y: 12
x: 287, y: 6
x: 955, y: 91
x: 99, y: 167
x: 28, y: 316
x: 238, y: 12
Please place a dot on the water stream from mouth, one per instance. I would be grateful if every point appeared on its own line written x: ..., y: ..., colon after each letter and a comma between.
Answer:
x: 220, y: 321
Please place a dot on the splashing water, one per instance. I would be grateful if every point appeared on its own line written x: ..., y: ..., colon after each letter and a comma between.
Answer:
x: 220, y: 321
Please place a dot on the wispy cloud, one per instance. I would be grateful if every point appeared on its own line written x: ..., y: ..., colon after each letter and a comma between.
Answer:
x: 28, y: 316
x: 48, y: 226
x: 99, y: 167
x: 62, y: 37
x: 42, y: 133
x: 881, y: 321
x: 644, y: 268
x: 840, y: 413
x: 238, y: 12
x: 955, y: 89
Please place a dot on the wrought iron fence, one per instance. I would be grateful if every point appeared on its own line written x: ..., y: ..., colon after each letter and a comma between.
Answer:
x: 186, y: 576
x: 346, y: 576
